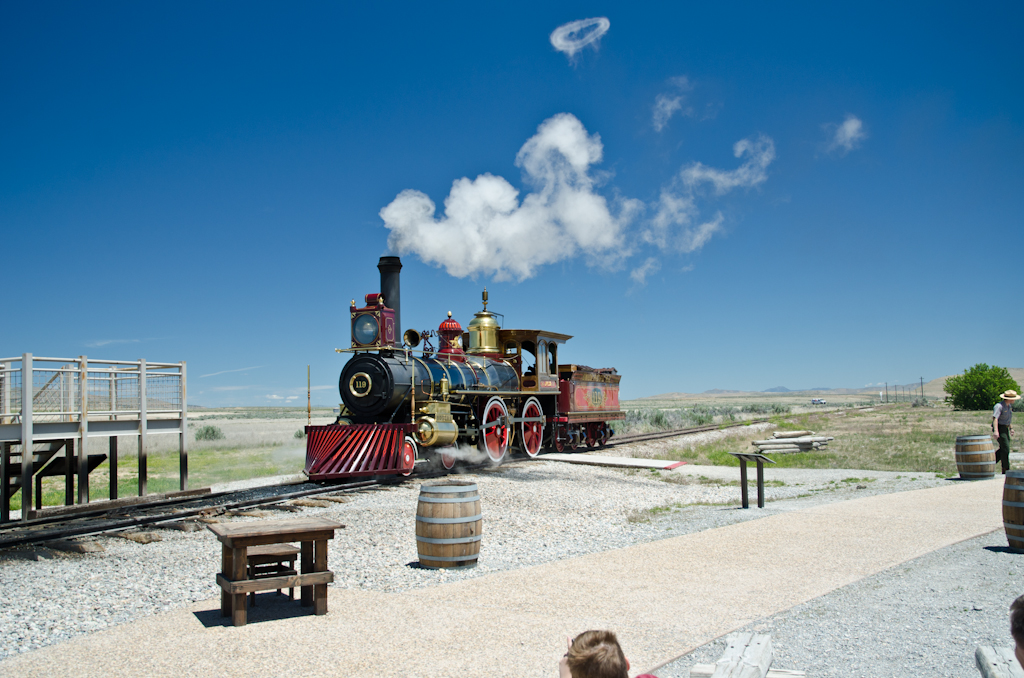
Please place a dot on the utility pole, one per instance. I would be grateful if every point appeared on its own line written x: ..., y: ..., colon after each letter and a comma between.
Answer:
x: 309, y: 400
x: 922, y: 389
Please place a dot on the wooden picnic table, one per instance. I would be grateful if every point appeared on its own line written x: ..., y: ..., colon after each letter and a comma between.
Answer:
x: 236, y: 538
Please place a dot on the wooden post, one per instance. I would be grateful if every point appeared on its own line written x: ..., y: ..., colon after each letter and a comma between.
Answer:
x: 760, y: 484
x: 26, y: 435
x: 142, y: 428
x: 226, y: 568
x: 83, y: 430
x: 238, y: 573
x: 743, y: 482
x: 320, y: 565
x: 5, y: 482
x: 307, y: 566
x: 112, y: 455
x: 183, y: 437
x: 69, y: 472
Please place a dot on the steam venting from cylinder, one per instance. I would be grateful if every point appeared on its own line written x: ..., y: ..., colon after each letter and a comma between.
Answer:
x: 390, y: 268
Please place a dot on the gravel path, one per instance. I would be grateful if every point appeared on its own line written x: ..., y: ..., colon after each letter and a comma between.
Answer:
x: 533, y: 513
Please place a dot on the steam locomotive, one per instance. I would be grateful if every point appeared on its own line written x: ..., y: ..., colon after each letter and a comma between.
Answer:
x: 483, y: 391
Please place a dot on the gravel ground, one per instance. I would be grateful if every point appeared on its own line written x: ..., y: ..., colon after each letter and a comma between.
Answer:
x: 533, y: 513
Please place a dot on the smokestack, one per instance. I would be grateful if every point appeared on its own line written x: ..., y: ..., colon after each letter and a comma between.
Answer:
x: 390, y: 267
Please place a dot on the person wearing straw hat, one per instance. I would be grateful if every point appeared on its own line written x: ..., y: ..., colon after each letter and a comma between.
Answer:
x: 1002, y: 429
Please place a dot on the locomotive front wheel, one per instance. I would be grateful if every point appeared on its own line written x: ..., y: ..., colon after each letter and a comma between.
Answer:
x: 532, y: 432
x: 448, y: 458
x: 560, y: 435
x: 407, y: 456
x: 494, y: 430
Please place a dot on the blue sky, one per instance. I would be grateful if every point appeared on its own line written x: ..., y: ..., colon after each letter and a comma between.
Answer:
x: 206, y: 182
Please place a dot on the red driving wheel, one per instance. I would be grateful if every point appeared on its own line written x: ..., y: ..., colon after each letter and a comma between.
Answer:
x: 560, y: 434
x: 532, y: 432
x: 494, y: 429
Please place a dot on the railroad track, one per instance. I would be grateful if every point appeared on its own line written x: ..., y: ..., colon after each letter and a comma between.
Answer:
x: 62, y: 524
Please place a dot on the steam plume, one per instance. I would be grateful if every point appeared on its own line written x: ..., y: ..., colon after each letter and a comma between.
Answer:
x: 486, y: 229
x: 575, y: 35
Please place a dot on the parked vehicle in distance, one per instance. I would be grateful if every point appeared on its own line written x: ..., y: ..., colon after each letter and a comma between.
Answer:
x: 818, y: 401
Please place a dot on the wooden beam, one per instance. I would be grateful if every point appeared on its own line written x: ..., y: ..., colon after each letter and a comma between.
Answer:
x: 747, y: 655
x: 997, y: 662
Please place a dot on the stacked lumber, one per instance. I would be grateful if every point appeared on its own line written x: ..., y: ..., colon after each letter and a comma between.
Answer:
x: 782, y: 442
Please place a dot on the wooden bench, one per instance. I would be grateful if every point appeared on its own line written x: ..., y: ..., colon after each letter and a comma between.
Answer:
x: 759, y: 459
x: 747, y: 655
x: 237, y: 538
x: 272, y: 560
x: 997, y: 662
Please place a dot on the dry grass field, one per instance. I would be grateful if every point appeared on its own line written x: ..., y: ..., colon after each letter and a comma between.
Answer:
x: 894, y: 437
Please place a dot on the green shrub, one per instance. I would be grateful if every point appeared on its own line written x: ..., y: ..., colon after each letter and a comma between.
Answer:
x: 209, y: 433
x: 301, y: 433
x: 979, y: 387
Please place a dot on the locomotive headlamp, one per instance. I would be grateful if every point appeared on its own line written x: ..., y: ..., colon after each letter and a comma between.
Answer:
x: 373, y: 326
x: 365, y: 329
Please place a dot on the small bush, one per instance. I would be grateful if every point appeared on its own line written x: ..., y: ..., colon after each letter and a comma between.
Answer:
x: 209, y: 433
x: 300, y: 434
x: 979, y: 387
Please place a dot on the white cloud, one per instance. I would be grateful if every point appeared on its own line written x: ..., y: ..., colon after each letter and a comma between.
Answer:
x: 240, y: 369
x: 108, y: 342
x: 845, y: 136
x: 760, y: 153
x: 275, y: 397
x: 649, y: 267
x: 486, y: 229
x: 575, y: 35
x: 230, y: 388
x: 668, y: 104
x: 664, y: 108
x: 672, y: 226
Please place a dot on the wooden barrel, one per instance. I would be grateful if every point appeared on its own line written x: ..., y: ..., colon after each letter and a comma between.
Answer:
x: 1013, y: 509
x: 975, y: 457
x: 448, y: 525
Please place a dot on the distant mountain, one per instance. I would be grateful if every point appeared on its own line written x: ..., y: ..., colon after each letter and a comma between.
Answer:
x: 777, y: 389
x: 719, y: 391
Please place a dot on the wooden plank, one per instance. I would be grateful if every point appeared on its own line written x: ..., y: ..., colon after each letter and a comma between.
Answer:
x: 747, y: 655
x: 269, y: 551
x: 245, y: 586
x: 706, y: 670
x: 997, y: 662
x: 320, y: 567
x: 273, y: 528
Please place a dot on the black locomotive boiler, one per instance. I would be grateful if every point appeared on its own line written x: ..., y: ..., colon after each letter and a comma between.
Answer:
x: 486, y: 388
